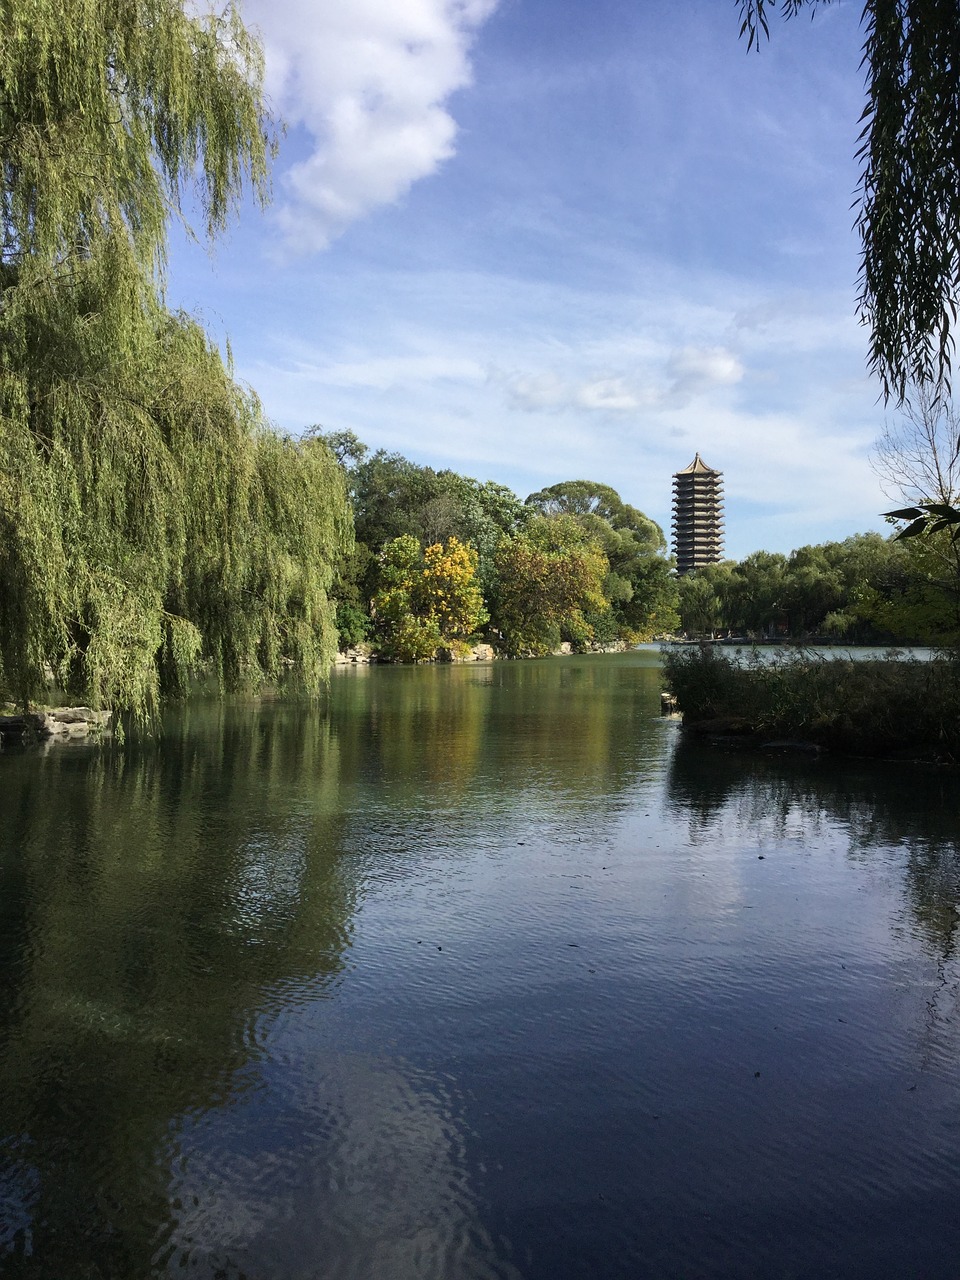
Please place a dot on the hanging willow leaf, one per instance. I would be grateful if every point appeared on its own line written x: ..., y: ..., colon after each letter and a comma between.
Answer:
x: 909, y: 205
x: 150, y: 520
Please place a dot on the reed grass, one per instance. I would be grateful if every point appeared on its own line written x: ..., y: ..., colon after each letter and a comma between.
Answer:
x: 894, y: 706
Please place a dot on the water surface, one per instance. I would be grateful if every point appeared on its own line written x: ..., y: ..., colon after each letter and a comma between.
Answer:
x: 483, y: 973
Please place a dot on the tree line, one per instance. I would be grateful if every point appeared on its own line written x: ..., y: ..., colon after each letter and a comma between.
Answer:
x: 440, y: 559
x: 153, y: 524
x: 866, y: 589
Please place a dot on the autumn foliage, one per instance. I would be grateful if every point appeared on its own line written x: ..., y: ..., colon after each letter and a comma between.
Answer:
x: 428, y: 599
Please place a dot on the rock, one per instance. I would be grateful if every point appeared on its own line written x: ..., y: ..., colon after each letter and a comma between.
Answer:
x: 476, y: 653
x: 359, y: 656
x: 54, y: 722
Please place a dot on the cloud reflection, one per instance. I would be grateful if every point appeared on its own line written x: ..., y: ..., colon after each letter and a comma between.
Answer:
x: 351, y: 1166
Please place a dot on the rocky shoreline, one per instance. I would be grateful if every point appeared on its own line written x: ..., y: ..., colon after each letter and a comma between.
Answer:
x: 59, y: 724
x: 363, y: 655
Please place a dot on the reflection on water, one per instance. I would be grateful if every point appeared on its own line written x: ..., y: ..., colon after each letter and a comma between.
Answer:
x: 876, y: 806
x: 476, y: 974
x: 376, y: 1144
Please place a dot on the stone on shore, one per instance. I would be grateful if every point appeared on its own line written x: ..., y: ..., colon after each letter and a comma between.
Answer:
x: 56, y: 723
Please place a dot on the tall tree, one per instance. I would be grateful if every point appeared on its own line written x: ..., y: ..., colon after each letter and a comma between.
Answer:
x: 549, y: 586
x: 393, y: 497
x: 149, y: 518
x: 639, y: 586
x: 590, y: 498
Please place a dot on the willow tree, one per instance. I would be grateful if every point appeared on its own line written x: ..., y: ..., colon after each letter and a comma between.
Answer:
x: 909, y: 182
x: 149, y: 518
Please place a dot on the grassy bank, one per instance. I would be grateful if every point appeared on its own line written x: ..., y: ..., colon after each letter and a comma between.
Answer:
x: 895, y: 707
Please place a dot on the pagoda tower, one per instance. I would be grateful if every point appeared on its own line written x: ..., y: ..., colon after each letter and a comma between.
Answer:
x: 697, y: 516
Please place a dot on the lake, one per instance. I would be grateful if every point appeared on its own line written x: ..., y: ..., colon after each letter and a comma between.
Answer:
x: 480, y: 974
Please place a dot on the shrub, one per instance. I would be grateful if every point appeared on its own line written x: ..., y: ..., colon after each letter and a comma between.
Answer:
x: 880, y: 706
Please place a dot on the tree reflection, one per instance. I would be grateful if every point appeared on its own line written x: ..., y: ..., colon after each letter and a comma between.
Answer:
x: 152, y: 905
x: 878, y: 805
x: 469, y: 731
x: 162, y: 908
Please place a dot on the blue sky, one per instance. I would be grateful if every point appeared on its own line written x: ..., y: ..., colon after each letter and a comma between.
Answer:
x: 544, y: 240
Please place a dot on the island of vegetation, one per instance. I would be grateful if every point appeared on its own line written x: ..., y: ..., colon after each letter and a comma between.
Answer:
x: 897, y: 706
x: 866, y: 590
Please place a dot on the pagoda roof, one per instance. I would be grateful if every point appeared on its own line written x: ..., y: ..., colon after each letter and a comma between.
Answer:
x: 697, y: 467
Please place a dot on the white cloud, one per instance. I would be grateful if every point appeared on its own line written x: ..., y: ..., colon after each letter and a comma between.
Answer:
x: 532, y: 382
x: 610, y: 394
x: 536, y: 392
x: 669, y: 380
x: 695, y: 369
x: 392, y: 371
x: 368, y: 82
x: 539, y: 392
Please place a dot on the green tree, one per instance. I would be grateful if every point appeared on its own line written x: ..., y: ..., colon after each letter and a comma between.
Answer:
x: 756, y: 593
x: 549, y: 586
x: 866, y: 589
x: 389, y: 493
x: 149, y: 518
x: 346, y: 446
x: 356, y: 562
x: 898, y: 591
x: 584, y: 498
x: 703, y: 598
x: 393, y: 496
x: 640, y: 589
x: 814, y: 587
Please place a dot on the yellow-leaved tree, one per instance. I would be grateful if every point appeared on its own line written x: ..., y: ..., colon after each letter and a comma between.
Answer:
x: 427, y: 599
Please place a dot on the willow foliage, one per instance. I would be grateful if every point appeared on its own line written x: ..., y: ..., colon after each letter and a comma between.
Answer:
x: 109, y: 108
x: 910, y: 189
x: 150, y: 520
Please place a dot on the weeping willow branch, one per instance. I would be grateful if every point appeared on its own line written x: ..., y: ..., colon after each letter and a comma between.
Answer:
x: 154, y: 522
x: 909, y: 184
x: 151, y: 522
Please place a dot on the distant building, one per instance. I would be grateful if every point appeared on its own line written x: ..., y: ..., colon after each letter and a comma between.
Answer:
x: 697, y: 516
